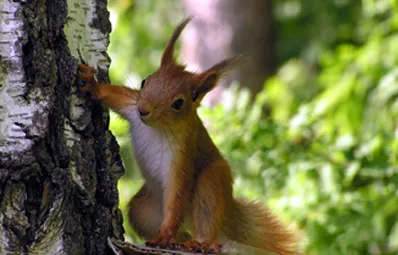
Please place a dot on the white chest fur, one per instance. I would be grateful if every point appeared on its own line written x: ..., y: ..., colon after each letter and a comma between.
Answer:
x: 152, y: 149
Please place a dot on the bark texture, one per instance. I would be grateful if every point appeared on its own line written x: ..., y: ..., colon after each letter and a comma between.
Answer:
x: 59, y: 164
x: 222, y: 29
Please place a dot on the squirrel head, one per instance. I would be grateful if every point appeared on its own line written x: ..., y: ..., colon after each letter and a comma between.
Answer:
x: 171, y: 95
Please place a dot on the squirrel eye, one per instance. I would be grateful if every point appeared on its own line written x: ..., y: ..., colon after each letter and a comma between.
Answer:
x: 142, y: 83
x: 177, y: 104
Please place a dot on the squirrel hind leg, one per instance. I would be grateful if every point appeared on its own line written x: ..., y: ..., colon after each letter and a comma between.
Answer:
x: 143, y: 214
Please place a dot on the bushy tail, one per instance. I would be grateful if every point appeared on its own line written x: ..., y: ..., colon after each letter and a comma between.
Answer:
x: 252, y: 224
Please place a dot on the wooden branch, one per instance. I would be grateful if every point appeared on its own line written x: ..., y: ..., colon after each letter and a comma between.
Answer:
x: 123, y: 248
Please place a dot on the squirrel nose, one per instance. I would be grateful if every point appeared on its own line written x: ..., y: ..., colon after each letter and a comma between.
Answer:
x: 143, y: 112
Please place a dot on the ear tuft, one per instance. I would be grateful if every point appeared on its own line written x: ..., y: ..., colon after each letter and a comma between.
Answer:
x: 168, y: 54
x: 228, y: 64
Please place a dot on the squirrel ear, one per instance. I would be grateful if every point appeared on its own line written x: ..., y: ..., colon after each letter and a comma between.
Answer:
x: 206, y: 83
x: 208, y: 79
x: 168, y: 53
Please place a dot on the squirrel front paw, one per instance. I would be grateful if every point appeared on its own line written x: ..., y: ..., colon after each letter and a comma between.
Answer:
x: 87, y: 75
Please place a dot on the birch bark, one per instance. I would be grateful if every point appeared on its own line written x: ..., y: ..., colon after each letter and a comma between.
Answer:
x: 59, y: 163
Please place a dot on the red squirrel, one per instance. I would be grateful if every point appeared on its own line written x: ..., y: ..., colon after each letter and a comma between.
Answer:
x: 188, y: 183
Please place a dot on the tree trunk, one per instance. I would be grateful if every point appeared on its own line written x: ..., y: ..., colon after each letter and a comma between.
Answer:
x: 59, y: 164
x: 222, y: 29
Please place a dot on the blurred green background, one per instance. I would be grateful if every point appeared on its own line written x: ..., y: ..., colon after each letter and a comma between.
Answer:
x: 325, y: 155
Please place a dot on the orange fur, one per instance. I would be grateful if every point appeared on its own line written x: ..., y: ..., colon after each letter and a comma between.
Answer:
x: 145, y: 214
x: 187, y: 179
x: 255, y: 225
x: 118, y: 98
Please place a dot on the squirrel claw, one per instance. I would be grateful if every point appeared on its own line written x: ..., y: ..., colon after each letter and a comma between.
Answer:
x: 197, y: 247
x: 161, y: 241
x: 87, y: 76
x: 215, y: 248
x: 86, y: 69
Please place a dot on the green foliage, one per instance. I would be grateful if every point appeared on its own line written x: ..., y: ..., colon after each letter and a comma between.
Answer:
x: 306, y: 28
x: 326, y: 156
x: 141, y: 29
